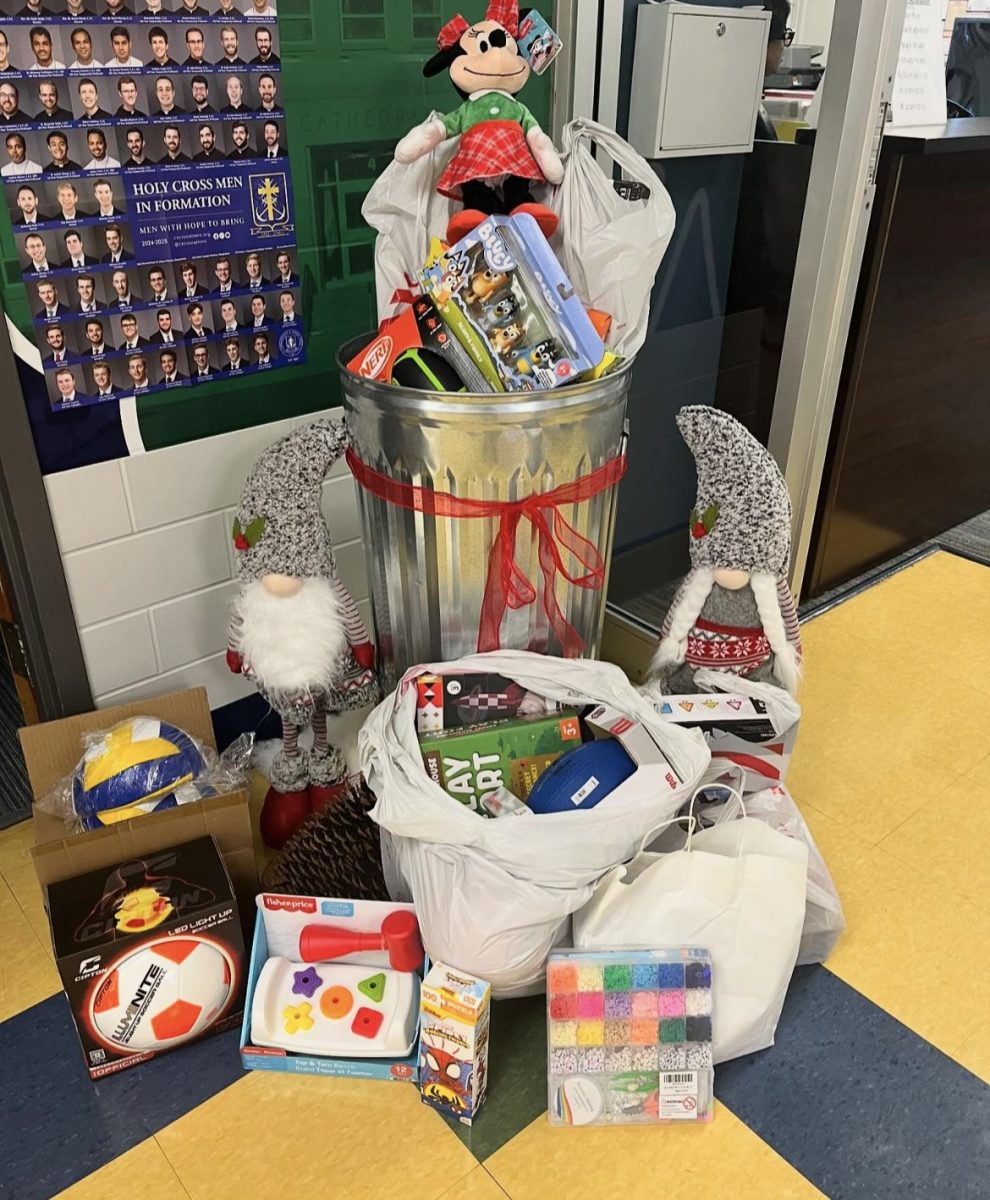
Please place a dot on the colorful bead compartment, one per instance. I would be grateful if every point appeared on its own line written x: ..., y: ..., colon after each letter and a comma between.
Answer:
x: 619, y: 1019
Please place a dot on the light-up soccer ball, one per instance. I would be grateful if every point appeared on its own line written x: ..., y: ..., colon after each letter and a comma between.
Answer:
x: 161, y: 994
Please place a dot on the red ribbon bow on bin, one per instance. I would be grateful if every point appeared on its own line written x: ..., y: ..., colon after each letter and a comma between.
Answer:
x: 506, y: 586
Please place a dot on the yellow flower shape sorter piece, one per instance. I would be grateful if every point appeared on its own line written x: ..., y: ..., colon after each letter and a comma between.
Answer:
x: 297, y: 1018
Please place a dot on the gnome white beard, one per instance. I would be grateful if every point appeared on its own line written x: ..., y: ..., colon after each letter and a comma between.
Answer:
x: 292, y: 643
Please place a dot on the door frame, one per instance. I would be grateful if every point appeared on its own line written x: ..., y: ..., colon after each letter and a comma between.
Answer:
x: 43, y: 610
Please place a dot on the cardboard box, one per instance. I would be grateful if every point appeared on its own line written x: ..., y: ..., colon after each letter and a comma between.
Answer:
x: 279, y: 921
x: 419, y: 326
x: 636, y: 739
x: 455, y: 1016
x: 150, y: 953
x: 466, y: 699
x: 469, y: 763
x: 739, y: 729
x: 52, y: 750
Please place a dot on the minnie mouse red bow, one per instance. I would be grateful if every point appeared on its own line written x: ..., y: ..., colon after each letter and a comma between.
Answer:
x: 505, y: 12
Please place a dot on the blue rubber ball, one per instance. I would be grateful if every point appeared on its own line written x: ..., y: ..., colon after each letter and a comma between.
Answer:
x: 582, y: 778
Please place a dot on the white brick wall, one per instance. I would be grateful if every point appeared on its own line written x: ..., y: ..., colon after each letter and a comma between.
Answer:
x: 147, y: 551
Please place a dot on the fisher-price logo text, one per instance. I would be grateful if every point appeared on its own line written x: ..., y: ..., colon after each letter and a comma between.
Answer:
x: 303, y: 904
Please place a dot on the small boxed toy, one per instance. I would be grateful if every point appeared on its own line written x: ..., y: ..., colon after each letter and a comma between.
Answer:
x: 740, y: 729
x: 636, y: 739
x: 469, y: 763
x: 333, y: 988
x: 629, y: 1036
x: 416, y: 329
x: 445, y: 702
x: 150, y: 953
x: 453, y: 1042
x: 506, y: 298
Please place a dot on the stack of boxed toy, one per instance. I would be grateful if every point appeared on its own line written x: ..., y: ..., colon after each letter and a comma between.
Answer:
x: 498, y: 314
x: 502, y: 751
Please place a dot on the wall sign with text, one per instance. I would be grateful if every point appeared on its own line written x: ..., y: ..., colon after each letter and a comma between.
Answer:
x: 148, y: 182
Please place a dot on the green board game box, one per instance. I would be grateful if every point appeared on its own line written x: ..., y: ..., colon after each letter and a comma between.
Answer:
x: 468, y: 763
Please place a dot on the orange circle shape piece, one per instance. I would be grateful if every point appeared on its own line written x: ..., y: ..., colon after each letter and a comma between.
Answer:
x: 336, y: 1002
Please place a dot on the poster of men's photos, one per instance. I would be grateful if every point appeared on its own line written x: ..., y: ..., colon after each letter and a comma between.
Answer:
x: 146, y: 171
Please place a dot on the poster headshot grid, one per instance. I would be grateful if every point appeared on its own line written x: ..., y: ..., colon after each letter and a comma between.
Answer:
x: 144, y: 163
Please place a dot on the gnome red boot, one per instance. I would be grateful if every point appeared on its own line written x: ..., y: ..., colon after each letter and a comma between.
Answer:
x: 282, y: 814
x: 287, y: 803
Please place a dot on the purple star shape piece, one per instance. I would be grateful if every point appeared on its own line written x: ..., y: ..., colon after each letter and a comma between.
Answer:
x: 305, y: 983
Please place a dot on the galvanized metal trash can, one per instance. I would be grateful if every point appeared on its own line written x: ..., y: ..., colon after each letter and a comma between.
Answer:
x: 487, y: 519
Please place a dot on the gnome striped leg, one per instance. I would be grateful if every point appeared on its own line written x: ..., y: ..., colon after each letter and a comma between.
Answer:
x: 327, y: 769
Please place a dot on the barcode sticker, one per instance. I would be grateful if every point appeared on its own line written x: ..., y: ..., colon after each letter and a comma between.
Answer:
x: 679, y: 1096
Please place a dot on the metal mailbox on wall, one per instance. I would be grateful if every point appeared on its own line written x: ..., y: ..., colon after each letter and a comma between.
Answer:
x: 697, y: 79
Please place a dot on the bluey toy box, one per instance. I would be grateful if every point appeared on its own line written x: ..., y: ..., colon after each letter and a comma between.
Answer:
x: 333, y: 988
x: 453, y: 1042
x: 506, y: 298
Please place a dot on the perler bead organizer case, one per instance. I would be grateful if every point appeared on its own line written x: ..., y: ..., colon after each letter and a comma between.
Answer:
x: 629, y: 1036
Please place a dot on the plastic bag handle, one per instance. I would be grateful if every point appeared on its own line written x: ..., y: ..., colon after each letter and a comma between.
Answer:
x: 733, y: 795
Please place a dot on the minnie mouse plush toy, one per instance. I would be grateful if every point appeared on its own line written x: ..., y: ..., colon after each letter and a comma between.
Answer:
x: 503, y: 150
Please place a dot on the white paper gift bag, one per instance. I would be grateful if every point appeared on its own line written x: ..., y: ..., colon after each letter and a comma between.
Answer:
x: 738, y: 890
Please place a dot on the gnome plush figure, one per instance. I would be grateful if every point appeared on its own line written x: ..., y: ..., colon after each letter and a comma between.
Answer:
x: 294, y: 629
x: 734, y: 612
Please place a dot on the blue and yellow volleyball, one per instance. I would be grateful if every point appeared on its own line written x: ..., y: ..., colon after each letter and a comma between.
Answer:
x: 134, y: 769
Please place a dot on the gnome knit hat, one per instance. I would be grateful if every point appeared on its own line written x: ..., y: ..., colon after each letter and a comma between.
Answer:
x: 742, y: 515
x: 279, y: 528
x: 741, y: 522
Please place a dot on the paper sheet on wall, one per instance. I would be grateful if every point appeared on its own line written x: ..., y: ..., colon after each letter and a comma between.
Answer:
x: 919, y: 84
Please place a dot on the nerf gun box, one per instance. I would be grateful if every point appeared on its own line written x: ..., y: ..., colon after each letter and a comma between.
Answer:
x: 469, y: 763
x: 418, y: 327
x: 505, y: 297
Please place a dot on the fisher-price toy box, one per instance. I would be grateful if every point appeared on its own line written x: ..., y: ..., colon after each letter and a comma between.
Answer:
x: 352, y: 1015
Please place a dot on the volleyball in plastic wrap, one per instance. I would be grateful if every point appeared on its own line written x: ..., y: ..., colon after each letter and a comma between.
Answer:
x: 134, y: 768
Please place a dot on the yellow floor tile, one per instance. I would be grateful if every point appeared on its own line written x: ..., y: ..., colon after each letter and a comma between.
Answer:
x: 15, y: 844
x: 974, y: 1053
x: 316, y: 1137
x: 872, y: 783
x: 27, y: 972
x: 909, y: 943
x: 143, y: 1171
x: 23, y: 882
x: 707, y: 1162
x: 948, y: 841
x: 479, y: 1185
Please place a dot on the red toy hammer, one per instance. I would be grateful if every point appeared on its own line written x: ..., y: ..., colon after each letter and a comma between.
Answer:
x: 399, y: 937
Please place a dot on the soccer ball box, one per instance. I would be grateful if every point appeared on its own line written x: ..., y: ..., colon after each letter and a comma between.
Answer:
x: 151, y: 953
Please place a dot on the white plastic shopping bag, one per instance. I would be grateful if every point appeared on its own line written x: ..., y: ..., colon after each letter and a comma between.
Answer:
x: 823, y: 918
x: 611, y: 247
x: 493, y: 896
x: 738, y: 890
x: 406, y: 209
